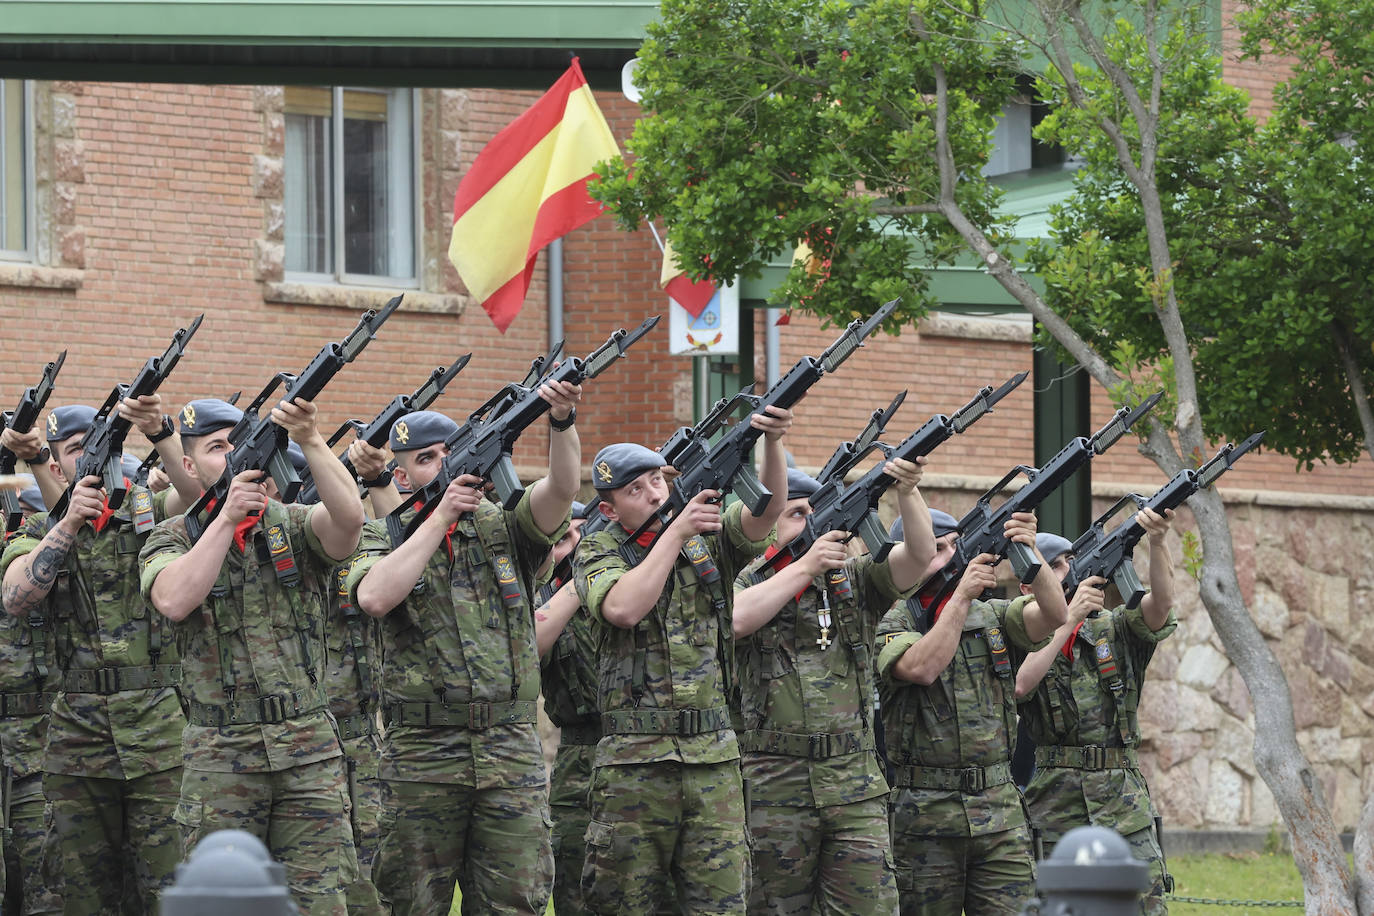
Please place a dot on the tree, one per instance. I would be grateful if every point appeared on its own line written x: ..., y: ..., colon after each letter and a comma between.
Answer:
x: 862, y: 130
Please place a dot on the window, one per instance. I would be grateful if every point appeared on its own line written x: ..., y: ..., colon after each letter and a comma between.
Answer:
x: 1014, y: 149
x: 350, y: 186
x: 16, y: 170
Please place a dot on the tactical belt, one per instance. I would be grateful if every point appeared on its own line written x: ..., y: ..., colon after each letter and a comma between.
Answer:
x: 263, y: 710
x: 475, y: 716
x: 579, y: 734
x: 670, y: 721
x: 113, y: 680
x: 812, y: 747
x: 1091, y: 757
x: 14, y: 705
x: 964, y: 779
x: 357, y: 725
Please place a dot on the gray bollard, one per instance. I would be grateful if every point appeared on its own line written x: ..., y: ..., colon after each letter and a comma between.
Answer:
x: 1092, y: 873
x: 229, y: 873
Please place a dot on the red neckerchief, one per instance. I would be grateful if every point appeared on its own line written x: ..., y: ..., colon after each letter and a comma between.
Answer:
x: 644, y: 540
x: 242, y: 528
x: 448, y: 535
x: 772, y: 552
x: 106, y: 513
x: 1068, y: 644
x: 925, y: 604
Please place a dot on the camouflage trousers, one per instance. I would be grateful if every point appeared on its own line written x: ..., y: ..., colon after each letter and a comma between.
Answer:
x: 833, y: 859
x: 662, y: 831
x: 1145, y: 847
x: 568, y: 787
x: 365, y: 798
x: 300, y: 813
x: 494, y: 843
x: 33, y: 880
x: 992, y: 874
x: 117, y: 840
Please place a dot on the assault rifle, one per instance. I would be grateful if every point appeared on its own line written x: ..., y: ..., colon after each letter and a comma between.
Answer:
x: 854, y: 508
x: 21, y: 420
x: 725, y: 466
x: 1096, y: 553
x: 102, y: 451
x: 259, y: 444
x: 980, y: 530
x: 378, y: 431
x: 482, y: 446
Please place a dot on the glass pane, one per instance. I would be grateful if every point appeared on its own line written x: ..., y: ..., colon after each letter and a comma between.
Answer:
x: 308, y: 180
x: 13, y: 147
x: 378, y: 195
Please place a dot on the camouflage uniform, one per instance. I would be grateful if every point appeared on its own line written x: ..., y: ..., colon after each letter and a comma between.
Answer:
x: 818, y: 799
x: 1083, y: 720
x: 349, y: 680
x: 567, y: 673
x: 960, y: 836
x: 260, y: 748
x: 28, y: 677
x: 112, y: 766
x: 465, y: 792
x: 667, y: 799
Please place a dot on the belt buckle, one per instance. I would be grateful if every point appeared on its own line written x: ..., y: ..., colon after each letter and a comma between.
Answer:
x: 479, y: 715
x: 272, y: 708
x: 106, y: 680
x: 817, y: 746
x: 1095, y: 757
x: 971, y: 779
x: 688, y: 722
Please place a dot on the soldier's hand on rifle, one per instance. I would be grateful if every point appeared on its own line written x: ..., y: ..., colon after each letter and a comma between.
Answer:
x: 563, y: 397
x: 979, y: 577
x: 25, y: 445
x: 463, y: 495
x: 701, y: 515
x: 1156, y: 526
x: 369, y: 461
x: 145, y: 412
x: 158, y: 480
x: 1021, y: 528
x: 1088, y: 599
x: 247, y: 496
x: 774, y: 421
x: 87, y: 502
x: 906, y: 473
x: 297, y: 417
x: 826, y: 554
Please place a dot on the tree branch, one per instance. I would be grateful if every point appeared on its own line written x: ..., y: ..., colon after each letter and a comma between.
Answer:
x: 1357, y: 389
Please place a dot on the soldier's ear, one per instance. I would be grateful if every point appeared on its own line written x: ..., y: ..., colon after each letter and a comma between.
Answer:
x: 608, y: 510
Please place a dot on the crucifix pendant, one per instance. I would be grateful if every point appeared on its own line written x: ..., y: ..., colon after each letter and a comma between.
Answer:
x: 824, y: 639
x: 823, y: 618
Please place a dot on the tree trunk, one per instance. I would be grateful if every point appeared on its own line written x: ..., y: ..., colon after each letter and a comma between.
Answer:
x: 1364, y: 859
x: 1356, y: 382
x: 1280, y: 761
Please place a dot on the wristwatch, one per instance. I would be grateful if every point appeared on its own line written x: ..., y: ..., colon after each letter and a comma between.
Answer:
x: 43, y: 455
x: 166, y: 432
x: 560, y: 425
x: 380, y: 480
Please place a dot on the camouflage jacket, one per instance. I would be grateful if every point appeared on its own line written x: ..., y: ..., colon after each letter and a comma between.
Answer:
x: 795, y: 690
x: 97, y: 619
x: 352, y: 648
x: 966, y: 718
x: 22, y: 687
x: 677, y: 661
x: 567, y: 673
x: 256, y: 643
x: 1078, y: 704
x: 463, y: 637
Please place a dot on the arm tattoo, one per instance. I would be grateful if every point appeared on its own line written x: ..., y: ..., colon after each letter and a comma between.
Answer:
x: 41, y: 572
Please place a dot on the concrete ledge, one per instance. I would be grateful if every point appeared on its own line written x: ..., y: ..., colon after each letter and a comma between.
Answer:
x: 38, y: 277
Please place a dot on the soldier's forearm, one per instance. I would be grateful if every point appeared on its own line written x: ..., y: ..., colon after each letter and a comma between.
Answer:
x: 30, y: 578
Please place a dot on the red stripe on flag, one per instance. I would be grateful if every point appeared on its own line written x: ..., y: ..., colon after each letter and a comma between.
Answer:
x: 515, y: 140
x: 693, y: 296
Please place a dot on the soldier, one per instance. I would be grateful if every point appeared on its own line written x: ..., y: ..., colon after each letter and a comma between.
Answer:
x: 667, y: 802
x: 818, y: 799
x: 248, y: 601
x: 959, y: 832
x: 464, y: 786
x: 1083, y: 714
x: 567, y: 674
x: 112, y: 764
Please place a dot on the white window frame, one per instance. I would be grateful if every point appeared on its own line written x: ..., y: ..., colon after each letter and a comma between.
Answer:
x: 340, y: 276
x: 26, y: 253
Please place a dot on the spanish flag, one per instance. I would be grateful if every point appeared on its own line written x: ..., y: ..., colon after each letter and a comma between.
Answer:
x: 693, y: 295
x: 528, y: 187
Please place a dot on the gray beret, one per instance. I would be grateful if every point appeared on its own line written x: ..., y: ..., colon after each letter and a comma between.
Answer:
x: 130, y: 463
x: 580, y: 510
x: 31, y: 496
x: 799, y: 485
x: 942, y: 523
x: 618, y: 464
x: 420, y: 429
x: 65, y: 422
x: 1052, y: 546
x: 207, y: 415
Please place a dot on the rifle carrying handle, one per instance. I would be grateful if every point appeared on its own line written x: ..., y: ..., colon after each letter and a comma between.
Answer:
x: 1128, y: 583
x: 875, y: 537
x: 508, y: 486
x: 1023, y: 562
